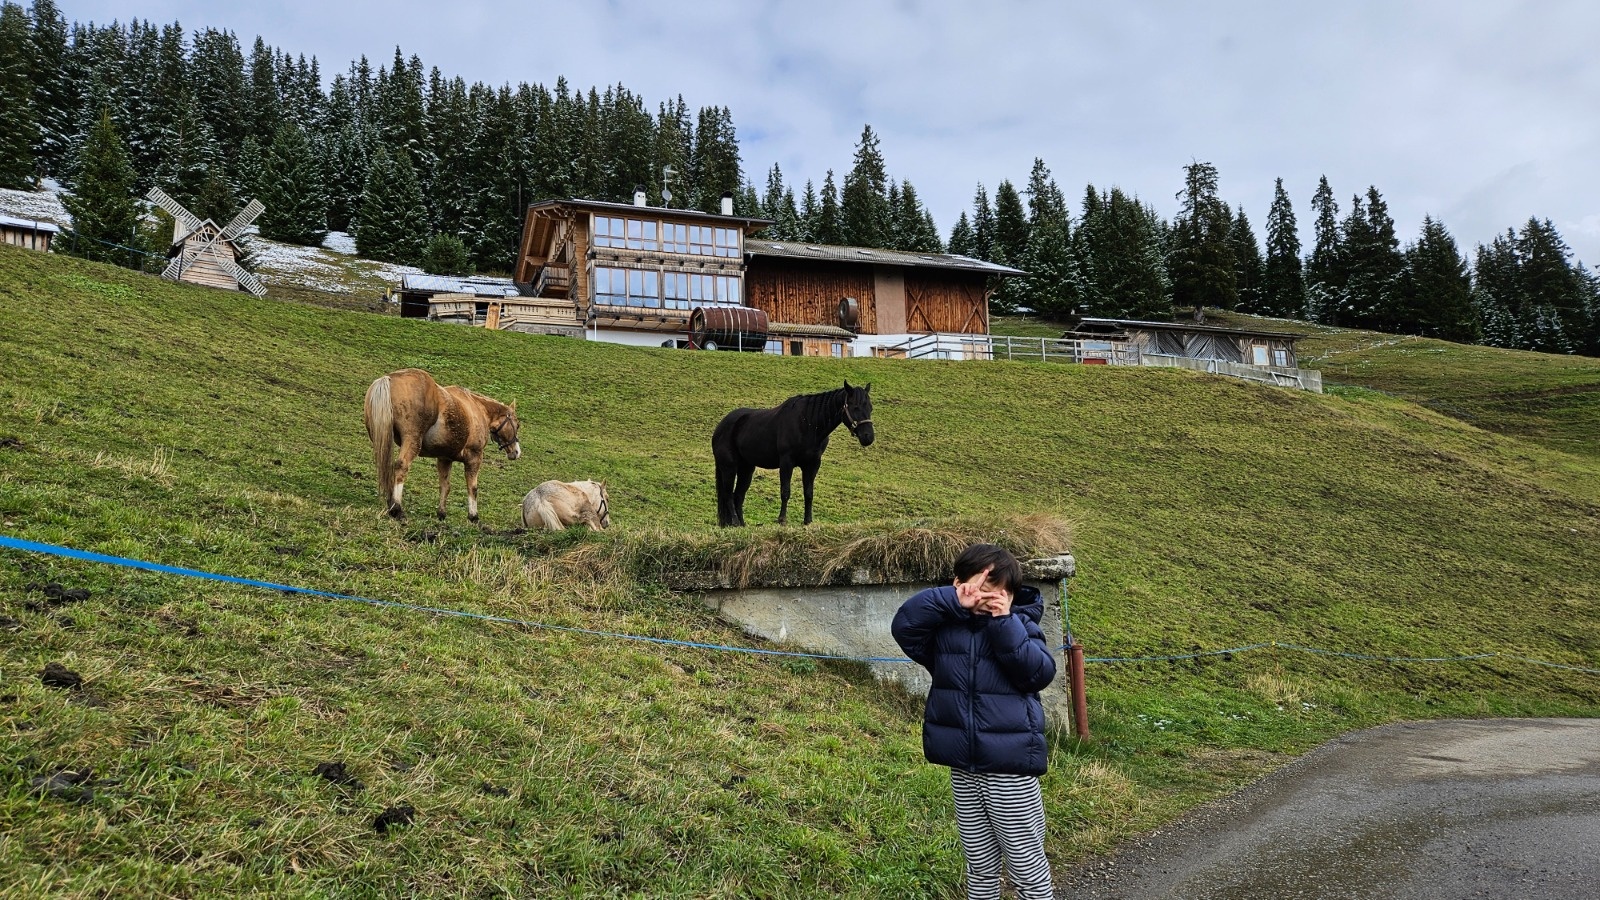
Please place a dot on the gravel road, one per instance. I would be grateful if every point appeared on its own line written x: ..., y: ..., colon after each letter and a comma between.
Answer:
x: 1419, y: 811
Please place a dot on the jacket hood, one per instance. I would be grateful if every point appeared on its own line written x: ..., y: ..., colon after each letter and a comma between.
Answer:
x: 1028, y: 603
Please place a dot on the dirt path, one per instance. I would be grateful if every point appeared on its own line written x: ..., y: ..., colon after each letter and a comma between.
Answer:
x: 1486, y: 808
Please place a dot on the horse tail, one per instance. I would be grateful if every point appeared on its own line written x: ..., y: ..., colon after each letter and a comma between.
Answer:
x: 380, y: 428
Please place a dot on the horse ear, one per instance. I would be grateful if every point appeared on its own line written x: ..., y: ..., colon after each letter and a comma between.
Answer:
x: 513, y: 406
x: 847, y: 384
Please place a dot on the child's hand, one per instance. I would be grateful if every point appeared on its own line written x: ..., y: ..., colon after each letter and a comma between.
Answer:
x: 970, y: 593
x: 996, y: 603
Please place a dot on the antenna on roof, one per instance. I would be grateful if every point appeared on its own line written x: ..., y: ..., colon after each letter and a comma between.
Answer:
x: 666, y: 175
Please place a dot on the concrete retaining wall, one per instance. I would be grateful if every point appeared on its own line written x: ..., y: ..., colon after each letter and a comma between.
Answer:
x: 853, y: 620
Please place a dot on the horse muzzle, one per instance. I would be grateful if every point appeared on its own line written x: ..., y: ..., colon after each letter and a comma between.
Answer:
x: 514, y: 451
x: 864, y: 434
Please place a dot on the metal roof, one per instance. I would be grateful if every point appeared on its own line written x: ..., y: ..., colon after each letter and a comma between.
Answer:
x: 35, y: 224
x: 608, y: 206
x: 1181, y: 326
x: 445, y: 284
x: 869, y: 256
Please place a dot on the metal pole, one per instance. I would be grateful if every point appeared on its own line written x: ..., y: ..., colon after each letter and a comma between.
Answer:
x: 1080, y: 701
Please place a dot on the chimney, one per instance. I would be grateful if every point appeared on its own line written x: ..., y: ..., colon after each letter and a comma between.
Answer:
x: 727, y: 203
x: 638, y: 195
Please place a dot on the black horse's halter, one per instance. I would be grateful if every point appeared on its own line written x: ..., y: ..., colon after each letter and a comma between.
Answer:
x: 605, y: 508
x: 850, y: 423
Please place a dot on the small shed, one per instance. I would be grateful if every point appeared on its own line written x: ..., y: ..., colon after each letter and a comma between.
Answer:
x: 30, y: 234
x: 1270, y: 349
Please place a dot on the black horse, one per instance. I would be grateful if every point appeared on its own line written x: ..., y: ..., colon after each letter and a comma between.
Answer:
x: 794, y: 433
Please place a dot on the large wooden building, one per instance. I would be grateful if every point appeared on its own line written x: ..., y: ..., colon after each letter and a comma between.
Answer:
x: 637, y: 274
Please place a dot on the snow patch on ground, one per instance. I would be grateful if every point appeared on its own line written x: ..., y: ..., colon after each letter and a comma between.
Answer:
x: 323, y: 269
x: 340, y: 242
x: 44, y: 206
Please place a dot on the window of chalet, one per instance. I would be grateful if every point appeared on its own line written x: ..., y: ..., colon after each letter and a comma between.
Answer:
x: 675, y: 290
x: 1280, y: 358
x: 774, y: 347
x: 675, y: 237
x: 1258, y: 354
x: 708, y: 240
x: 714, y: 290
x: 627, y: 287
x: 623, y: 233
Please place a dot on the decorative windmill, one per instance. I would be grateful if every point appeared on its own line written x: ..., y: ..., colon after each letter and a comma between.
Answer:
x: 202, y: 253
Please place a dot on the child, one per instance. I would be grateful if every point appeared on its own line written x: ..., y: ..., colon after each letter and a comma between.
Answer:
x: 981, y: 641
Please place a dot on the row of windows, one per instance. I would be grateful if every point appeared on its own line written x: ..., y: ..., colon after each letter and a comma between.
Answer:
x: 650, y: 289
x: 623, y: 233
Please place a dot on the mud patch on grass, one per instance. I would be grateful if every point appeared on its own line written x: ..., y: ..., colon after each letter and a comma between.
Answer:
x: 394, y: 817
x: 335, y: 773
x: 57, y: 676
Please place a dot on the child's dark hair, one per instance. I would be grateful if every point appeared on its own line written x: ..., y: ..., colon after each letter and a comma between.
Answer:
x: 1004, y: 570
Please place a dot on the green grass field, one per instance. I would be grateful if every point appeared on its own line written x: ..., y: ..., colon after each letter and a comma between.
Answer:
x: 217, y: 431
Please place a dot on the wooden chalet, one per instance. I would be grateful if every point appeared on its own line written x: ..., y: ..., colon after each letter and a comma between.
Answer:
x: 30, y: 234
x: 637, y: 274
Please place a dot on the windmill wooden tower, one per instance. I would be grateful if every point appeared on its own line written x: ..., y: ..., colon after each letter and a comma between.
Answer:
x: 202, y: 253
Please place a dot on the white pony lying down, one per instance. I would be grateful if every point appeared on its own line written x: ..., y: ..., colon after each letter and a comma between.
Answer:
x: 555, y: 505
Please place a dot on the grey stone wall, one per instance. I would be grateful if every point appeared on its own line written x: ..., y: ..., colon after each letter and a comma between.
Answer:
x: 853, y: 620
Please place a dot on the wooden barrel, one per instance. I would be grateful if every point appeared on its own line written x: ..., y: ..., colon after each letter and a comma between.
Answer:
x: 728, y: 328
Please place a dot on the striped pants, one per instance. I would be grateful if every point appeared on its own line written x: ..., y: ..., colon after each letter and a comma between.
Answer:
x: 1002, y: 817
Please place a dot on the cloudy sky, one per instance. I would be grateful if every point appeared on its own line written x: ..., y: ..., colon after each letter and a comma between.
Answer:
x: 1480, y: 114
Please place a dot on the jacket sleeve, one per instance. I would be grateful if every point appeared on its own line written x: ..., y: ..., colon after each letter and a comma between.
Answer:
x: 920, y: 617
x: 1020, y: 649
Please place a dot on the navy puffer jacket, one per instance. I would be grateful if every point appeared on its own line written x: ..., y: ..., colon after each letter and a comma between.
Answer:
x: 983, y: 712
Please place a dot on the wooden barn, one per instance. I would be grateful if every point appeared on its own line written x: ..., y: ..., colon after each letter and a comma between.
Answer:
x: 637, y: 274
x: 31, y: 234
x: 886, y: 298
x: 1273, y: 349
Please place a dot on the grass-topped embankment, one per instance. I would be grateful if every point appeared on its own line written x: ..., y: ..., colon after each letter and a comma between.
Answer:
x: 218, y: 431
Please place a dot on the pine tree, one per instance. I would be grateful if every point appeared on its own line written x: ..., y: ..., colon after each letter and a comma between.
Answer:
x: 1283, y: 289
x: 1496, y: 292
x: 55, y: 99
x: 220, y: 92
x: 808, y: 212
x: 983, y: 239
x: 962, y: 239
x: 1249, y: 271
x: 914, y: 230
x: 394, y: 222
x: 1324, y: 276
x: 291, y: 190
x: 263, y: 106
x: 828, y: 229
x: 1121, y: 256
x: 19, y: 128
x: 446, y: 254
x: 715, y: 159
x: 1053, y: 285
x: 1010, y: 226
x: 1200, y: 261
x: 1434, y: 293
x: 672, y: 152
x: 102, y: 204
x: 1372, y: 263
x: 864, y: 201
x: 1550, y: 285
x: 190, y: 158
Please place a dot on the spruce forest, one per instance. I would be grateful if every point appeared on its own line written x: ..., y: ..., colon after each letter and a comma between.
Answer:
x: 425, y: 169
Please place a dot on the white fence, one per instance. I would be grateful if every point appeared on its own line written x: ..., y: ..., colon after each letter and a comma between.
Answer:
x: 1092, y: 352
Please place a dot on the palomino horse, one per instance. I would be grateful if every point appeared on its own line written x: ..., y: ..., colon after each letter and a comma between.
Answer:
x: 556, y: 505
x: 449, y: 424
x: 792, y: 434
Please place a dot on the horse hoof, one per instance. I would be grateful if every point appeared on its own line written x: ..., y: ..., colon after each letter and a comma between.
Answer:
x: 441, y: 515
x: 397, y: 514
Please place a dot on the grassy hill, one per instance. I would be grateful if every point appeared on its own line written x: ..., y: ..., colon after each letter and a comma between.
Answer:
x: 217, y: 431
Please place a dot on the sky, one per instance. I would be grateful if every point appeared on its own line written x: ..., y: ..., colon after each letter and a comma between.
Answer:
x: 1479, y: 114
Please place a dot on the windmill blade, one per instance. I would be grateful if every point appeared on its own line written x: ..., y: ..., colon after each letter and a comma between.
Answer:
x: 184, y: 221
x: 245, y: 277
x: 243, y: 219
x: 173, y: 269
